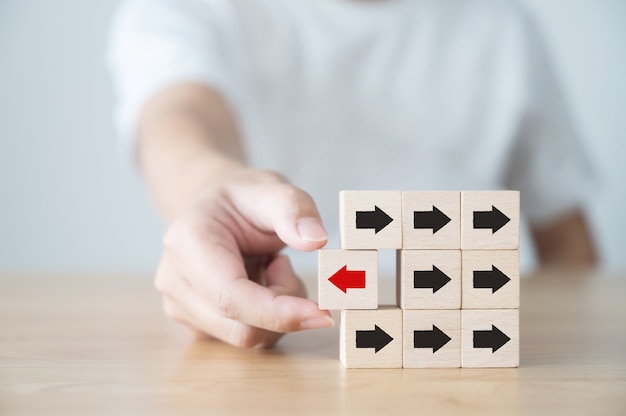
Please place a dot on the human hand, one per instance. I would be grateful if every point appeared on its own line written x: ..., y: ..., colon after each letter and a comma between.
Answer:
x: 220, y: 273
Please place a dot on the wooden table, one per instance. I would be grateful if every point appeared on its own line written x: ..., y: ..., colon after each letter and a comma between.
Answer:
x: 87, y: 345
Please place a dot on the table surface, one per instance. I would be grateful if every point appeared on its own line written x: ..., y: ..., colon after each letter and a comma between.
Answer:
x: 101, y: 345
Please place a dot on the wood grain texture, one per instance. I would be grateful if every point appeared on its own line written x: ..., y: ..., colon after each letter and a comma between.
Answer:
x: 433, y: 266
x: 426, y: 204
x: 331, y: 263
x: 478, y: 271
x: 428, y: 322
x: 492, y: 325
x: 100, y: 345
x: 504, y: 238
x: 351, y: 202
x: 384, y: 322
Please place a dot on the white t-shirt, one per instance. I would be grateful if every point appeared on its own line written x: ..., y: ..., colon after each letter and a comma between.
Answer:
x: 343, y: 94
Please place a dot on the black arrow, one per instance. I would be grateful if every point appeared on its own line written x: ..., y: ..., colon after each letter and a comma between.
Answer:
x: 493, y: 219
x: 376, y: 219
x: 434, y: 339
x: 433, y: 279
x: 434, y: 219
x: 492, y: 279
x: 493, y: 339
x: 376, y: 339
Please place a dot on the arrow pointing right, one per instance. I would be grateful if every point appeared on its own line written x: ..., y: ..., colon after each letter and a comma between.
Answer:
x: 433, y: 279
x: 492, y: 279
x: 434, y: 219
x: 493, y: 339
x: 376, y: 339
x: 493, y: 219
x: 434, y: 339
x: 376, y: 220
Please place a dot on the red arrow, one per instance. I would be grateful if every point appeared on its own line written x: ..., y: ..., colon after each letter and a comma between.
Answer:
x: 346, y: 279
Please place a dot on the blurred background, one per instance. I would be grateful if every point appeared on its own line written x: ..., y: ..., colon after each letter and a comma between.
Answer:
x: 70, y: 202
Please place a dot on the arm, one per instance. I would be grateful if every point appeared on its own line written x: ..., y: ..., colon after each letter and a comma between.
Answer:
x: 187, y: 140
x: 220, y: 273
x: 566, y: 242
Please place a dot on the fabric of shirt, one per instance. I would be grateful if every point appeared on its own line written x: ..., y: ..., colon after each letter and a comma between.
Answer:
x: 346, y: 94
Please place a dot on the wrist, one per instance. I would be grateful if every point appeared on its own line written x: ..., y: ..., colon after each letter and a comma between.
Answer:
x: 177, y: 175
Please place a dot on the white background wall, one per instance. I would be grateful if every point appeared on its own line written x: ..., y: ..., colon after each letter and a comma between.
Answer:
x: 68, y: 202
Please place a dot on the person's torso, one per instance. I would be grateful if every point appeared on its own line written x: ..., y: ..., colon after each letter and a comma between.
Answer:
x: 340, y: 94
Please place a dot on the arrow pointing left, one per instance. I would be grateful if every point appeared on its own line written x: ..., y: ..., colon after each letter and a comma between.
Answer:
x: 346, y: 279
x: 376, y: 339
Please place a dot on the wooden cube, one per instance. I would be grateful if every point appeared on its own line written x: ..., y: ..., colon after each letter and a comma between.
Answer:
x: 429, y: 279
x: 432, y: 339
x: 371, y: 338
x: 431, y: 220
x: 491, y: 279
x: 490, y: 220
x: 370, y: 219
x: 348, y: 279
x: 490, y: 338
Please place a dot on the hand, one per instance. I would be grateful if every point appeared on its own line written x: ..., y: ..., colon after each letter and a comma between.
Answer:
x: 220, y: 272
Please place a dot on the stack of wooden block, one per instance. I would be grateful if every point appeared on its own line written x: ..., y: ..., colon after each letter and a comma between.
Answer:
x: 457, y: 279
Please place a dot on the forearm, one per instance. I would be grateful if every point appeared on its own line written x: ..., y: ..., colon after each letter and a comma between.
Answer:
x: 187, y: 140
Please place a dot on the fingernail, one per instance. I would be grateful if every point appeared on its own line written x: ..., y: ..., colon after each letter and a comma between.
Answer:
x: 311, y: 229
x: 317, y: 323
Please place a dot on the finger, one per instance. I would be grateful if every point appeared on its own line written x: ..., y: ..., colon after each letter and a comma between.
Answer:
x: 258, y: 306
x: 286, y: 210
x: 183, y: 304
x: 282, y: 280
x: 192, y: 312
x: 166, y: 277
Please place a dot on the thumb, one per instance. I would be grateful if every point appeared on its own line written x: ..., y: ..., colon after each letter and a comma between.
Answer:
x: 295, y: 218
x: 290, y: 213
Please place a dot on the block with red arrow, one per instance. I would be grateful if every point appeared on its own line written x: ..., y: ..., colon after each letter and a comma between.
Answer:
x: 348, y: 279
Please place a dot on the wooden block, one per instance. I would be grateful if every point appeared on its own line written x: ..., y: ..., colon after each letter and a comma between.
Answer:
x: 490, y: 338
x: 432, y: 339
x: 371, y: 338
x: 490, y: 220
x: 490, y: 279
x: 370, y: 219
x: 431, y: 220
x: 429, y: 279
x: 348, y: 279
